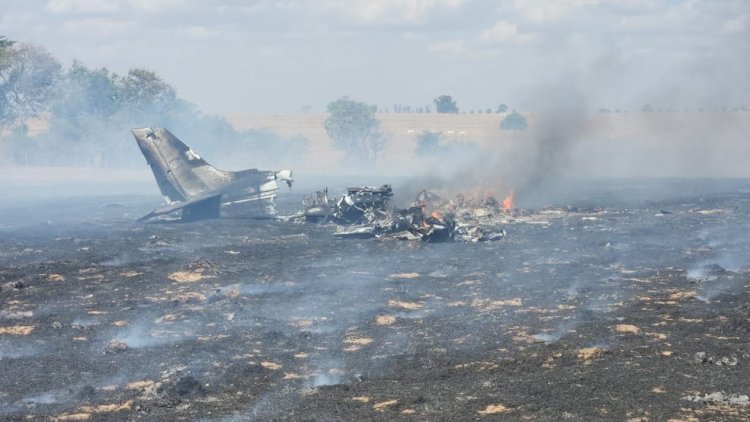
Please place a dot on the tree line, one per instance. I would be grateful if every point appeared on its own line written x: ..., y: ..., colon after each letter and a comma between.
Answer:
x: 88, y: 114
x: 355, y: 130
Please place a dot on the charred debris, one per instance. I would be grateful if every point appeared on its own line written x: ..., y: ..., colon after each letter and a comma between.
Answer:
x: 196, y: 190
x: 365, y: 212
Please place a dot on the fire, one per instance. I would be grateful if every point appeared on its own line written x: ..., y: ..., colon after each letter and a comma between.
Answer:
x: 509, y: 201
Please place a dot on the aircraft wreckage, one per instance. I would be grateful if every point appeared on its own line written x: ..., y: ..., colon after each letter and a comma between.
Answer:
x: 364, y: 212
x: 198, y: 190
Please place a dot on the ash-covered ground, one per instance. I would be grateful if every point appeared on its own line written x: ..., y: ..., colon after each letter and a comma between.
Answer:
x: 626, y: 300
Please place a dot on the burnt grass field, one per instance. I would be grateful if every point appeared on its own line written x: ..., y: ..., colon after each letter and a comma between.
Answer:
x: 627, y: 301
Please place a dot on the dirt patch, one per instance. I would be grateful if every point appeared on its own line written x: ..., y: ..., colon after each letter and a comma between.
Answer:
x: 489, y: 304
x: 108, y: 408
x: 301, y: 323
x: 627, y: 329
x: 17, y: 330
x: 360, y: 341
x: 399, y: 304
x: 140, y: 385
x: 72, y: 417
x: 590, y: 353
x: 682, y: 295
x: 493, y: 409
x: 55, y: 277
x: 271, y: 365
x: 385, y: 320
x: 404, y: 276
x: 194, y: 272
x: 384, y: 405
x: 186, y: 276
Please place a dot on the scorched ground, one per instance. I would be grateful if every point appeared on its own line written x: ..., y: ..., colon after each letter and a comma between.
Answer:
x: 594, y: 309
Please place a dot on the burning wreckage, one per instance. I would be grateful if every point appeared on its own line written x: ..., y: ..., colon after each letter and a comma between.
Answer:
x: 364, y: 212
x: 197, y: 190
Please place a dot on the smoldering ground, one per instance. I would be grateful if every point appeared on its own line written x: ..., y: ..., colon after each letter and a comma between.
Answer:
x: 273, y: 319
x: 569, y: 143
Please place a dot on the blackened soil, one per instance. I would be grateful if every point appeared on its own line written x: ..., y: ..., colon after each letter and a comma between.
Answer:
x: 586, y: 313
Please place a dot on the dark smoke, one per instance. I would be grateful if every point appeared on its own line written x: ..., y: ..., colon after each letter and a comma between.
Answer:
x: 547, y: 152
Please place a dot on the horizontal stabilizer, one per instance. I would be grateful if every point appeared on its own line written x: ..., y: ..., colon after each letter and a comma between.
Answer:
x: 195, y: 209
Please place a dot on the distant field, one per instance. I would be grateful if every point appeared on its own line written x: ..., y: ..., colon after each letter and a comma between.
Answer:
x: 481, y: 127
x: 705, y: 144
x: 400, y: 130
x: 613, y: 144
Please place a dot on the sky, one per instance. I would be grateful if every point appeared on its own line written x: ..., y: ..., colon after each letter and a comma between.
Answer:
x: 279, y: 56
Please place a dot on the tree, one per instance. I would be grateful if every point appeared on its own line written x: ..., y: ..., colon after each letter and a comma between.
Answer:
x: 85, y: 120
x: 27, y: 78
x: 87, y: 91
x: 353, y: 128
x: 5, y: 44
x: 502, y: 108
x: 445, y: 104
x: 88, y: 113
x: 144, y: 95
x: 428, y: 143
x: 514, y: 121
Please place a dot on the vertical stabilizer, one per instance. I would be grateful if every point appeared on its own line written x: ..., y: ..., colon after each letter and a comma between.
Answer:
x: 180, y: 173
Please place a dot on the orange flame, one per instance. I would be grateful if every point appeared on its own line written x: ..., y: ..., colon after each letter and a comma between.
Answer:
x: 509, y: 201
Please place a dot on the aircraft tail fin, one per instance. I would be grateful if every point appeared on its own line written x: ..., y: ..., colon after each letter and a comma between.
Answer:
x: 180, y: 173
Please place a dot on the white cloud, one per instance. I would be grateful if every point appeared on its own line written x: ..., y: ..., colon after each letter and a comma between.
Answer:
x: 390, y: 11
x: 112, y: 6
x: 97, y: 26
x: 83, y: 6
x: 198, y: 32
x: 736, y: 24
x: 549, y: 11
x: 450, y: 47
x: 505, y: 32
x: 158, y: 6
x: 633, y: 40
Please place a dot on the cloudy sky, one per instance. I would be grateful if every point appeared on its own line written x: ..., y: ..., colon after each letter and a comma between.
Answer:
x: 278, y: 56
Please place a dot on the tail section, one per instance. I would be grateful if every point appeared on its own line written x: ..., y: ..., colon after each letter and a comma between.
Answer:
x: 180, y: 173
